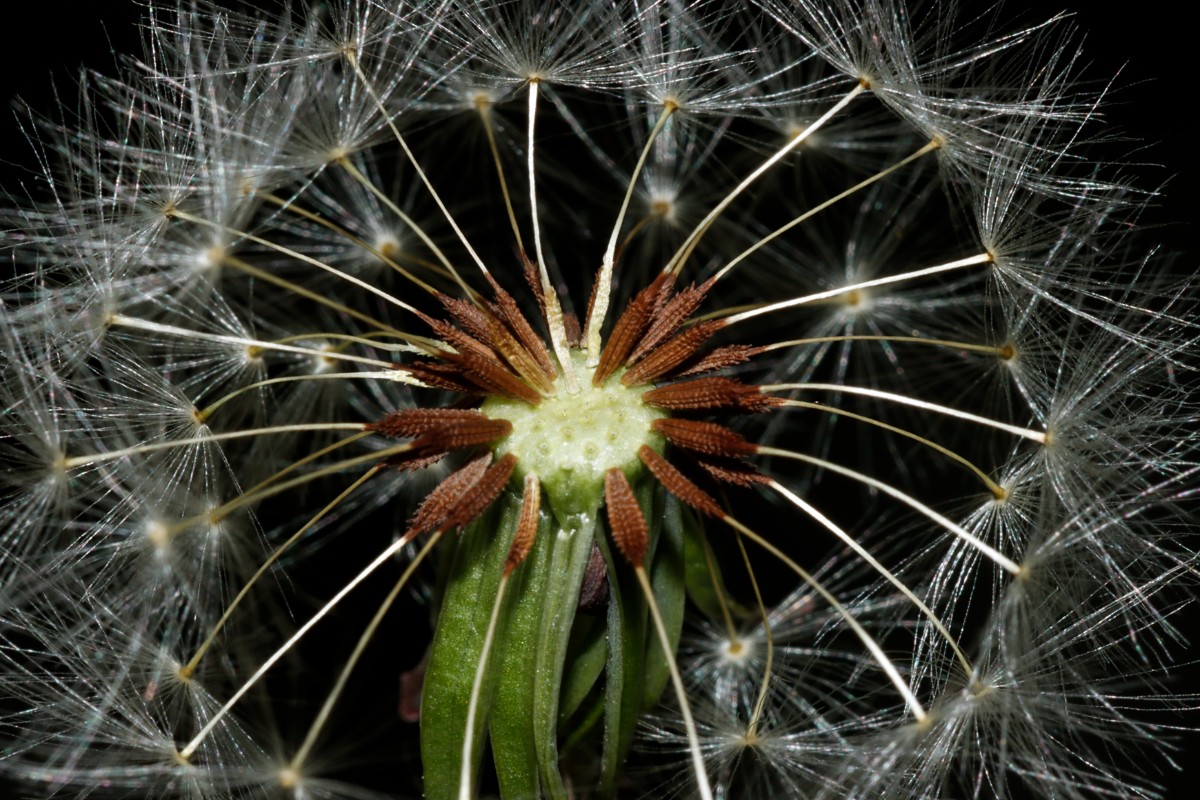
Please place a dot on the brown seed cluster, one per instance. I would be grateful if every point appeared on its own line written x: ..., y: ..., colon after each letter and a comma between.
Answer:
x: 493, y: 350
x: 498, y: 352
x: 527, y: 524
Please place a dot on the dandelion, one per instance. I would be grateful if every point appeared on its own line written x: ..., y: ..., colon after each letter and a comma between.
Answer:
x: 756, y: 398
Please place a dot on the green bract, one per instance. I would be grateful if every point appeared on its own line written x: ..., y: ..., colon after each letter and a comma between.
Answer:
x: 562, y: 688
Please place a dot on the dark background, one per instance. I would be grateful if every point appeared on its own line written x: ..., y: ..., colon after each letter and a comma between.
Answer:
x: 1148, y: 49
x: 1148, y: 52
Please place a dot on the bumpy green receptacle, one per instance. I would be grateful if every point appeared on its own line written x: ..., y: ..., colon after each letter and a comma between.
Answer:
x: 563, y: 691
x: 571, y: 440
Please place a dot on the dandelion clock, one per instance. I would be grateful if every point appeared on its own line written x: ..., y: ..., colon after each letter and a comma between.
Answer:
x: 544, y: 399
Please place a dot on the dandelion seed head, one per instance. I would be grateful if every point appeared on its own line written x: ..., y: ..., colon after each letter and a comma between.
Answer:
x: 732, y: 398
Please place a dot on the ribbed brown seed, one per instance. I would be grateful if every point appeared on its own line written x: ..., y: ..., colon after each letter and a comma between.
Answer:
x: 492, y: 377
x: 664, y: 293
x: 571, y: 330
x: 593, y: 593
x: 441, y: 376
x: 720, y: 358
x: 703, y: 437
x: 440, y: 430
x: 483, y: 493
x: 629, y: 327
x: 459, y: 340
x: 469, y: 316
x: 409, y: 462
x: 506, y: 309
x: 447, y: 495
x: 625, y: 518
x: 412, y: 422
x: 670, y: 354
x: 677, y: 483
x: 728, y: 470
x: 527, y: 524
x: 591, y: 306
x: 534, y: 279
x: 673, y: 314
x: 711, y: 393
x: 519, y: 358
x: 470, y: 433
x: 487, y: 327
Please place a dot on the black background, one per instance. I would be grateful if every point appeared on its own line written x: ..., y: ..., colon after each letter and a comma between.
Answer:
x: 1145, y: 53
x: 1147, y: 46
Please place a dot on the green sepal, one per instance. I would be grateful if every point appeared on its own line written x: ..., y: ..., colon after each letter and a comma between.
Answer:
x: 586, y: 655
x: 539, y: 620
x: 474, y: 562
x: 512, y: 735
x: 627, y: 618
x: 545, y: 664
x: 584, y: 723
